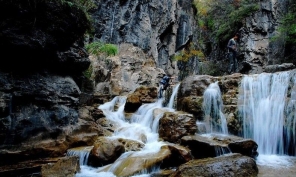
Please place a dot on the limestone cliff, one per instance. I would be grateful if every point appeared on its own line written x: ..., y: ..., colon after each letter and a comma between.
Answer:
x: 158, y: 27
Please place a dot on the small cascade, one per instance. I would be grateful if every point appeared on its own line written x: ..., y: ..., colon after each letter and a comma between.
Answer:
x: 81, y: 152
x: 221, y: 150
x: 174, y: 96
x: 213, y: 106
x: 268, y: 111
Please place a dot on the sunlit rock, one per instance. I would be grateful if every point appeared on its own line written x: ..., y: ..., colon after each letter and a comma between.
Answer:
x: 131, y: 145
x: 139, y: 96
x: 175, y: 125
x: 66, y: 167
x: 105, y: 151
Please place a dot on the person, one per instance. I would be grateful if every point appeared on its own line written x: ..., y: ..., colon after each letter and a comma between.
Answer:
x: 232, y: 52
x: 164, y: 83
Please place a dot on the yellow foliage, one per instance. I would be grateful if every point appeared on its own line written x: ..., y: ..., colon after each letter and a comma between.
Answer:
x: 186, y: 54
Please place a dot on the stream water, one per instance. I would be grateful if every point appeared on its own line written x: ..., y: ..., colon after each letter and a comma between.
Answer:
x: 141, y: 123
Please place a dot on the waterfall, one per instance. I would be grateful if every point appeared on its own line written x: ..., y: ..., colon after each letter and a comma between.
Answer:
x: 112, y: 23
x: 213, y: 106
x: 266, y: 117
x: 142, y: 124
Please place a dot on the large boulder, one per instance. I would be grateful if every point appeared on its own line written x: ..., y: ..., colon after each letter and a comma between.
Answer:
x: 135, y: 162
x: 105, y: 151
x: 212, y: 145
x: 232, y: 165
x: 174, y: 125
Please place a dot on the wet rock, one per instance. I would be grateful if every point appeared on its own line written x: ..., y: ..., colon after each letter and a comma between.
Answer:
x: 175, y: 125
x: 231, y: 165
x: 135, y: 162
x: 131, y: 145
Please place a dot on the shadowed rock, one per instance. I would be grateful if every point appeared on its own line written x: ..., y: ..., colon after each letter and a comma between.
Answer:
x: 232, y: 165
x: 212, y: 145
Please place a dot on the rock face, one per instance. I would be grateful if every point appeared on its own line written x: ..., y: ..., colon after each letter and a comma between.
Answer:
x: 36, y: 104
x: 122, y: 74
x: 40, y: 78
x: 33, y: 38
x: 158, y: 27
x: 257, y: 48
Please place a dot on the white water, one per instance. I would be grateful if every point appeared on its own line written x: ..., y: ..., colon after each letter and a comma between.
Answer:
x: 142, y: 127
x: 266, y: 117
x: 213, y: 106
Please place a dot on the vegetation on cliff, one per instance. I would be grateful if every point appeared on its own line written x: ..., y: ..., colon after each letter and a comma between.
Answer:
x: 220, y: 20
x: 287, y: 31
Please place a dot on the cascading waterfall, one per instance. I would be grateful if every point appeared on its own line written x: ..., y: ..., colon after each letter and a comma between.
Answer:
x: 268, y: 112
x: 142, y: 124
x: 213, y: 106
x: 173, y: 97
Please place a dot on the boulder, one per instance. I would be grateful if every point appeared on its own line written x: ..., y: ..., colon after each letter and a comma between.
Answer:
x: 231, y: 165
x: 212, y: 145
x: 105, y: 151
x: 174, y: 125
x: 139, y: 96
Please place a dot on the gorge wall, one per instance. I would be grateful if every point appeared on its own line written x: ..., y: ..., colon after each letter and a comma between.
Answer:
x: 158, y: 27
x: 256, y: 46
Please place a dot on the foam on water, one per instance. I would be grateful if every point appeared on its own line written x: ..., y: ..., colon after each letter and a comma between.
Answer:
x: 276, y: 161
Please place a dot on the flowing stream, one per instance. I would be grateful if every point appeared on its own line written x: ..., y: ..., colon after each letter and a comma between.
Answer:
x: 141, y: 124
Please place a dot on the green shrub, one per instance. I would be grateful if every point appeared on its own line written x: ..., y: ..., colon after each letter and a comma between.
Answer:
x: 94, y: 47
x: 97, y: 48
x: 109, y: 49
x: 287, y: 27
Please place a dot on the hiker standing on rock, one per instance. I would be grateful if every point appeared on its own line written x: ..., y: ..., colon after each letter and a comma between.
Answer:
x: 232, y: 52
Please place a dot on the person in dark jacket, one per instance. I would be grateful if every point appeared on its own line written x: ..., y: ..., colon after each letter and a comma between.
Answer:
x: 232, y: 52
x: 164, y: 83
